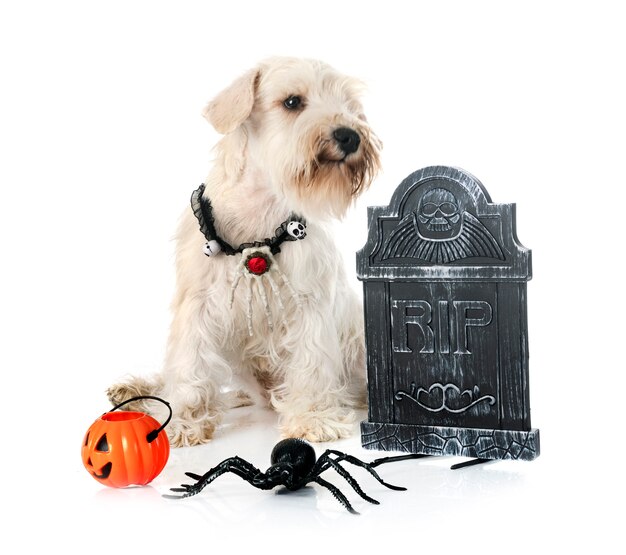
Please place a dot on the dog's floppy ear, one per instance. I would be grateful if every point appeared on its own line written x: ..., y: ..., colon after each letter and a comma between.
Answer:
x: 230, y: 108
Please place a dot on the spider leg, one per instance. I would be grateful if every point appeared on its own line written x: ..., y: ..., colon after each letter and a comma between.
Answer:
x: 336, y: 493
x: 233, y: 286
x: 194, y: 475
x: 187, y: 490
x: 347, y: 477
x: 276, y: 291
x: 249, y: 307
x: 384, y: 460
x: 236, y: 465
x: 266, y: 305
x: 357, y: 462
x: 287, y: 283
x: 239, y: 272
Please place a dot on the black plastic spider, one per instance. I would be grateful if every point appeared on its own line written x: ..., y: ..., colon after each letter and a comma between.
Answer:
x: 294, y: 465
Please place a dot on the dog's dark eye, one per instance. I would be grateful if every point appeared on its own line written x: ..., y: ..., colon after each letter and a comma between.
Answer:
x: 293, y: 102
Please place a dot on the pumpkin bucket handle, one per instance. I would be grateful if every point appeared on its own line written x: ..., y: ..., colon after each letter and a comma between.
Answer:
x: 154, y: 433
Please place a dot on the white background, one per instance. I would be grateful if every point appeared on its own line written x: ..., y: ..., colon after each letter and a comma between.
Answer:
x: 101, y: 143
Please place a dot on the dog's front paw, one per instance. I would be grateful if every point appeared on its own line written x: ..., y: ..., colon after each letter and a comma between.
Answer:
x: 133, y: 387
x: 118, y: 393
x: 319, y: 427
x: 187, y: 434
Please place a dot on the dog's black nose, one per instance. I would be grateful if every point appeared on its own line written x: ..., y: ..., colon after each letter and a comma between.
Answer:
x: 347, y: 139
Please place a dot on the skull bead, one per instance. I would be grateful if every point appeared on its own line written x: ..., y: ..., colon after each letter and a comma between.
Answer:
x: 296, y: 229
x: 211, y: 248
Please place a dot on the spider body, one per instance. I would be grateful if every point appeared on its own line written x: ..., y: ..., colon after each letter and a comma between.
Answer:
x: 292, y: 460
x: 294, y: 465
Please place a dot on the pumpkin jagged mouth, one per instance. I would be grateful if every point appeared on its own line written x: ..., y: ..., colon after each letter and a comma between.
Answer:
x: 105, y: 470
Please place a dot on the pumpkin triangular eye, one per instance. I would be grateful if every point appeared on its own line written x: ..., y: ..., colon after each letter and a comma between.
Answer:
x: 103, y: 444
x: 87, y: 439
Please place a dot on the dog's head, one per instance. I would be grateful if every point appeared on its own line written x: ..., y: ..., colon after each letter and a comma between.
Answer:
x: 303, y: 126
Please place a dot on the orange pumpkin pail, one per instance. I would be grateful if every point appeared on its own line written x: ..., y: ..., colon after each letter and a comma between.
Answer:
x: 126, y: 448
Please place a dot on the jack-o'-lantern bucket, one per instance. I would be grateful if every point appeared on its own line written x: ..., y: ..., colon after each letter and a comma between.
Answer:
x: 123, y: 448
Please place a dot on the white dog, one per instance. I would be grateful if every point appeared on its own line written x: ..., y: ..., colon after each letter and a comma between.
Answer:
x: 276, y: 311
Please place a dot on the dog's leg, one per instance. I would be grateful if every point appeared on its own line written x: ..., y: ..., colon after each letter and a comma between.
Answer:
x: 314, y: 400
x: 195, y: 371
x: 352, y: 344
x: 135, y: 386
x: 192, y: 377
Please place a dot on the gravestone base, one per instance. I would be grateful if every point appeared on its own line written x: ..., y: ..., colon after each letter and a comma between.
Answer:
x: 448, y: 441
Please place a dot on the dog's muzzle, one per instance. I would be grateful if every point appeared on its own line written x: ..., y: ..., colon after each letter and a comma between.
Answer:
x: 347, y: 139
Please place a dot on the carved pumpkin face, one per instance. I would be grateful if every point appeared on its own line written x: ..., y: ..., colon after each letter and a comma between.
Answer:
x: 116, y: 451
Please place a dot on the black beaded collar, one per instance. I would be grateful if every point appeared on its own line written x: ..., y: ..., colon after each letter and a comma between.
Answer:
x: 291, y: 229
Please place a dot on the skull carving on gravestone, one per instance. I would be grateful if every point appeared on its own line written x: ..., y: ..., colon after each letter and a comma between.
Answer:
x: 440, y: 230
x: 439, y: 213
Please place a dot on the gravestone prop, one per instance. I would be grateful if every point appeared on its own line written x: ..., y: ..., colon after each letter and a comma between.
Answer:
x: 444, y: 280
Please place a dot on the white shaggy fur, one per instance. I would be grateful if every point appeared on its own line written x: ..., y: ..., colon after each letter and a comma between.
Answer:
x: 271, y: 162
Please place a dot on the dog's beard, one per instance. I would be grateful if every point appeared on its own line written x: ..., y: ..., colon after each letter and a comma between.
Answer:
x: 329, y: 182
